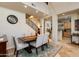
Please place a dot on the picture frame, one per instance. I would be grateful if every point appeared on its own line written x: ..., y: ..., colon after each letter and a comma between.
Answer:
x: 48, y: 25
x: 77, y: 24
x: 12, y: 19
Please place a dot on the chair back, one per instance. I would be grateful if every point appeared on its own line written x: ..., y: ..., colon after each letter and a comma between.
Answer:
x: 39, y: 40
x: 45, y: 40
x: 15, y: 45
x: 19, y: 44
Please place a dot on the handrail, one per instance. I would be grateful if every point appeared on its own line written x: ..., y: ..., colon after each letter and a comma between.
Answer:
x: 32, y: 24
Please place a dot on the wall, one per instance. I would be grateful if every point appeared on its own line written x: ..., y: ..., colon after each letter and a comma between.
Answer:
x: 54, y: 24
x: 16, y: 30
x: 73, y: 17
x: 54, y: 27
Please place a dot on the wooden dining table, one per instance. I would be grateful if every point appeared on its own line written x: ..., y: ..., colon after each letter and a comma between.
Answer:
x: 29, y: 39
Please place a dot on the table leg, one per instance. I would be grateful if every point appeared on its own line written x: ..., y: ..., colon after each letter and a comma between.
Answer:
x: 28, y: 49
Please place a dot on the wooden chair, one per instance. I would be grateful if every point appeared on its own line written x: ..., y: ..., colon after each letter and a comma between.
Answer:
x: 18, y: 46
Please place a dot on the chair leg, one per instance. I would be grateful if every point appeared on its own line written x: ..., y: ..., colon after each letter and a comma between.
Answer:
x: 46, y: 45
x: 14, y: 51
x: 17, y: 53
x: 42, y: 48
x: 37, y: 51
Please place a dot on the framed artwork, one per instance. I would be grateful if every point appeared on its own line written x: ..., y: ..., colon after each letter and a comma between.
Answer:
x: 77, y: 24
x: 48, y: 25
x: 12, y: 19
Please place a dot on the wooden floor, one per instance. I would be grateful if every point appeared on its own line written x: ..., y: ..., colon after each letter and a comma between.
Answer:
x: 68, y: 50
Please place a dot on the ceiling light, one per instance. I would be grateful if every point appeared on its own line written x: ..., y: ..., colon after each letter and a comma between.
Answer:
x: 25, y: 6
x: 63, y: 14
x: 31, y: 16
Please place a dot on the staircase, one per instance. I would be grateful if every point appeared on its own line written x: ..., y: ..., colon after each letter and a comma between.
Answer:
x: 32, y: 24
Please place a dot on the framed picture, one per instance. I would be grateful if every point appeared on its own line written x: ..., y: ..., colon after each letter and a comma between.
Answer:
x: 12, y: 19
x: 48, y: 25
x: 77, y: 24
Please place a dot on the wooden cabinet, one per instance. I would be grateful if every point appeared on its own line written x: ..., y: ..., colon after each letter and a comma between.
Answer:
x: 67, y: 34
x: 2, y: 49
x: 67, y: 25
x: 75, y: 38
x: 3, y: 44
x: 67, y: 29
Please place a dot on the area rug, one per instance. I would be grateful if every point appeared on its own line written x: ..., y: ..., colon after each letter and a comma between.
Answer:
x: 51, y: 51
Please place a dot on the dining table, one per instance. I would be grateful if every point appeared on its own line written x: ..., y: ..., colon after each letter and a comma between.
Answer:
x: 28, y: 39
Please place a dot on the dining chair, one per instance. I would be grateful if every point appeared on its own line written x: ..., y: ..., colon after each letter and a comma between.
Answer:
x: 18, y: 46
x: 37, y: 43
x: 45, y: 40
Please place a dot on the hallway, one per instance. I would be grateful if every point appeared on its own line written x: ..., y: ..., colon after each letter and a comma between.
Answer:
x: 68, y: 50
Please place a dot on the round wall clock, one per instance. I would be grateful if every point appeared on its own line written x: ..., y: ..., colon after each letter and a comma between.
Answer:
x: 12, y: 19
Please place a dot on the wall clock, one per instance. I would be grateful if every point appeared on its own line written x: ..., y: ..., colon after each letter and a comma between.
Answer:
x: 12, y: 19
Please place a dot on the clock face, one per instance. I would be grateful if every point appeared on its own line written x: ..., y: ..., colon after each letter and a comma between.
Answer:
x: 12, y: 19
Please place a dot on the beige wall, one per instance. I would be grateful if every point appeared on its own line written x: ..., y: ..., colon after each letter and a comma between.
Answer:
x: 52, y: 13
x: 16, y: 30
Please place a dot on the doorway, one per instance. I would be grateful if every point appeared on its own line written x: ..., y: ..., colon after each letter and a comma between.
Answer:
x: 64, y: 28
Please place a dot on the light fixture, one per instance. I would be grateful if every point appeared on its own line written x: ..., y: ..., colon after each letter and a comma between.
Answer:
x: 25, y: 6
x: 31, y: 16
x: 63, y: 14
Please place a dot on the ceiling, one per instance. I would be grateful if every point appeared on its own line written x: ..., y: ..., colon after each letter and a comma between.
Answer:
x: 19, y: 6
x: 69, y: 12
x: 63, y: 7
x: 59, y: 7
